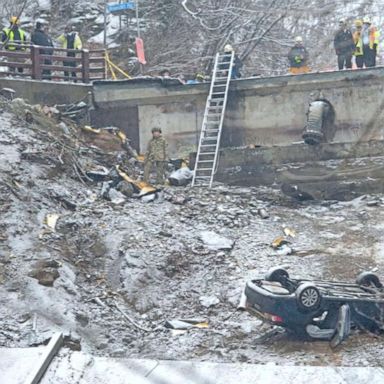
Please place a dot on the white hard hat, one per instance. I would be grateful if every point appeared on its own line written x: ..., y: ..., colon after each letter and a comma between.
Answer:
x: 343, y: 21
x: 367, y: 20
x: 228, y: 48
x: 298, y: 39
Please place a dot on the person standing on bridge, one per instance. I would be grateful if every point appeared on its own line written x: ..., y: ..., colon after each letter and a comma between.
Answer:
x: 357, y: 39
x: 41, y: 38
x: 370, y: 38
x: 14, y: 39
x: 157, y: 153
x: 298, y: 58
x: 70, y: 39
x: 344, y: 45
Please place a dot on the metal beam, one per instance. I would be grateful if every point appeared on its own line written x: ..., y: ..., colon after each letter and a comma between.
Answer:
x: 50, y: 351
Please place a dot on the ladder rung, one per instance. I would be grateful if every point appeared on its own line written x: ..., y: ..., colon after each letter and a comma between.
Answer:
x: 202, y: 177
x: 213, y: 114
x: 205, y: 161
x: 215, y: 107
x: 218, y: 93
x: 210, y: 137
x: 211, y: 130
x: 203, y: 169
x: 207, y: 153
x: 216, y: 100
x: 221, y: 78
x: 208, y: 145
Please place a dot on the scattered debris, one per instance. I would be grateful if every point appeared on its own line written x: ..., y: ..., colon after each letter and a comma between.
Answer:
x: 8, y: 93
x: 289, y: 232
x: 209, y: 301
x: 184, y: 324
x: 181, y: 177
x: 216, y: 242
x: 263, y: 213
x: 130, y: 320
x: 279, y: 242
x: 51, y: 221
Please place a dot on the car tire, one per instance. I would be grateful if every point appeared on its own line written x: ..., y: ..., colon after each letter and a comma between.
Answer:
x: 308, y: 297
x: 368, y: 279
x: 277, y: 274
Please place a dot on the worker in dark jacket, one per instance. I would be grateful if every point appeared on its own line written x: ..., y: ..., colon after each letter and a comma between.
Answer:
x: 14, y: 39
x: 41, y: 38
x: 344, y: 45
x: 298, y: 58
x: 237, y: 63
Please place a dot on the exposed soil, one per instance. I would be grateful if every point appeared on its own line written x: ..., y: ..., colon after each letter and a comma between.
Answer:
x: 148, y: 260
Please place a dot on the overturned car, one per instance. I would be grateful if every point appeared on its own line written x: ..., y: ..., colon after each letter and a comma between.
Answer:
x: 317, y: 309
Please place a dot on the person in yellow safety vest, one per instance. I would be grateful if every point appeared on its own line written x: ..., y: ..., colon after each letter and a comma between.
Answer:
x: 13, y: 39
x: 298, y: 58
x: 70, y: 39
x: 370, y: 40
x: 357, y: 39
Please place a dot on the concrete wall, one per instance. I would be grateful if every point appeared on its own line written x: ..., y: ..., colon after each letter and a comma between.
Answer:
x: 260, y: 111
x: 47, y: 92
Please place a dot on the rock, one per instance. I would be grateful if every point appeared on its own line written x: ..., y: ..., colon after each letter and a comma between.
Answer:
x: 82, y: 318
x: 148, y: 198
x: 125, y: 188
x: 46, y: 276
x: 216, y: 242
x: 208, y: 301
x: 23, y: 318
x: 116, y: 197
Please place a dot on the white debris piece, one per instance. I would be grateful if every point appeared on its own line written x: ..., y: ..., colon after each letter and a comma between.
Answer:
x: 215, y: 242
x: 208, y: 301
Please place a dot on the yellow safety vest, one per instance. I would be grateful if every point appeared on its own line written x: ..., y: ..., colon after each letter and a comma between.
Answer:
x: 62, y: 39
x: 12, y: 44
x: 358, y: 43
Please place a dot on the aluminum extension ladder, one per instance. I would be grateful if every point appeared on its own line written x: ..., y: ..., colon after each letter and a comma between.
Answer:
x: 209, y: 143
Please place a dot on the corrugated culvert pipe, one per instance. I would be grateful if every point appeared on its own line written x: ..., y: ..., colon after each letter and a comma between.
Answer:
x: 320, y: 123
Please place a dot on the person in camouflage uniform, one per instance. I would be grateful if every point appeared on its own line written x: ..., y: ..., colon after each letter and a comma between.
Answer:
x: 156, y: 154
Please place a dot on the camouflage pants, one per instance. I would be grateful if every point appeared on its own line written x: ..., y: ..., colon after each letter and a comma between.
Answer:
x: 160, y: 169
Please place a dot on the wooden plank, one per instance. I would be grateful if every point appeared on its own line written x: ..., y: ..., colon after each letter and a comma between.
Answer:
x: 52, y: 348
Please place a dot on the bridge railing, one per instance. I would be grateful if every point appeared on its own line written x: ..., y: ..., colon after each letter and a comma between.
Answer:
x: 49, y: 63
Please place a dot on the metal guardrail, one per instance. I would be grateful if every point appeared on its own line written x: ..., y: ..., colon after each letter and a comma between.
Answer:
x: 50, y: 63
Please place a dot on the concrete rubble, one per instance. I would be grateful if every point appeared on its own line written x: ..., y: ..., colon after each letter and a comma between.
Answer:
x: 113, y: 271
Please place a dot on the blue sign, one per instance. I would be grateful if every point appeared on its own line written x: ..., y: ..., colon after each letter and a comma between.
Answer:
x: 121, y: 7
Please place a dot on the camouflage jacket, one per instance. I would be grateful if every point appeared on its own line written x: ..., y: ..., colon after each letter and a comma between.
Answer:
x: 157, y: 149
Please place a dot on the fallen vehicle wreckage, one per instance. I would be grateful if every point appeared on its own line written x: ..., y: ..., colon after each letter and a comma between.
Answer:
x: 317, y: 309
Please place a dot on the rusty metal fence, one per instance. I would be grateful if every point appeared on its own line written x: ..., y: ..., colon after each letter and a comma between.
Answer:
x: 49, y: 63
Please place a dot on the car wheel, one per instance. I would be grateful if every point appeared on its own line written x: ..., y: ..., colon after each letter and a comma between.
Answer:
x: 368, y: 279
x: 277, y: 274
x: 308, y: 297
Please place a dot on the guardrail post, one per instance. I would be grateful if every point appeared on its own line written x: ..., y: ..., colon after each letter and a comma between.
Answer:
x: 85, y: 65
x: 36, y: 64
